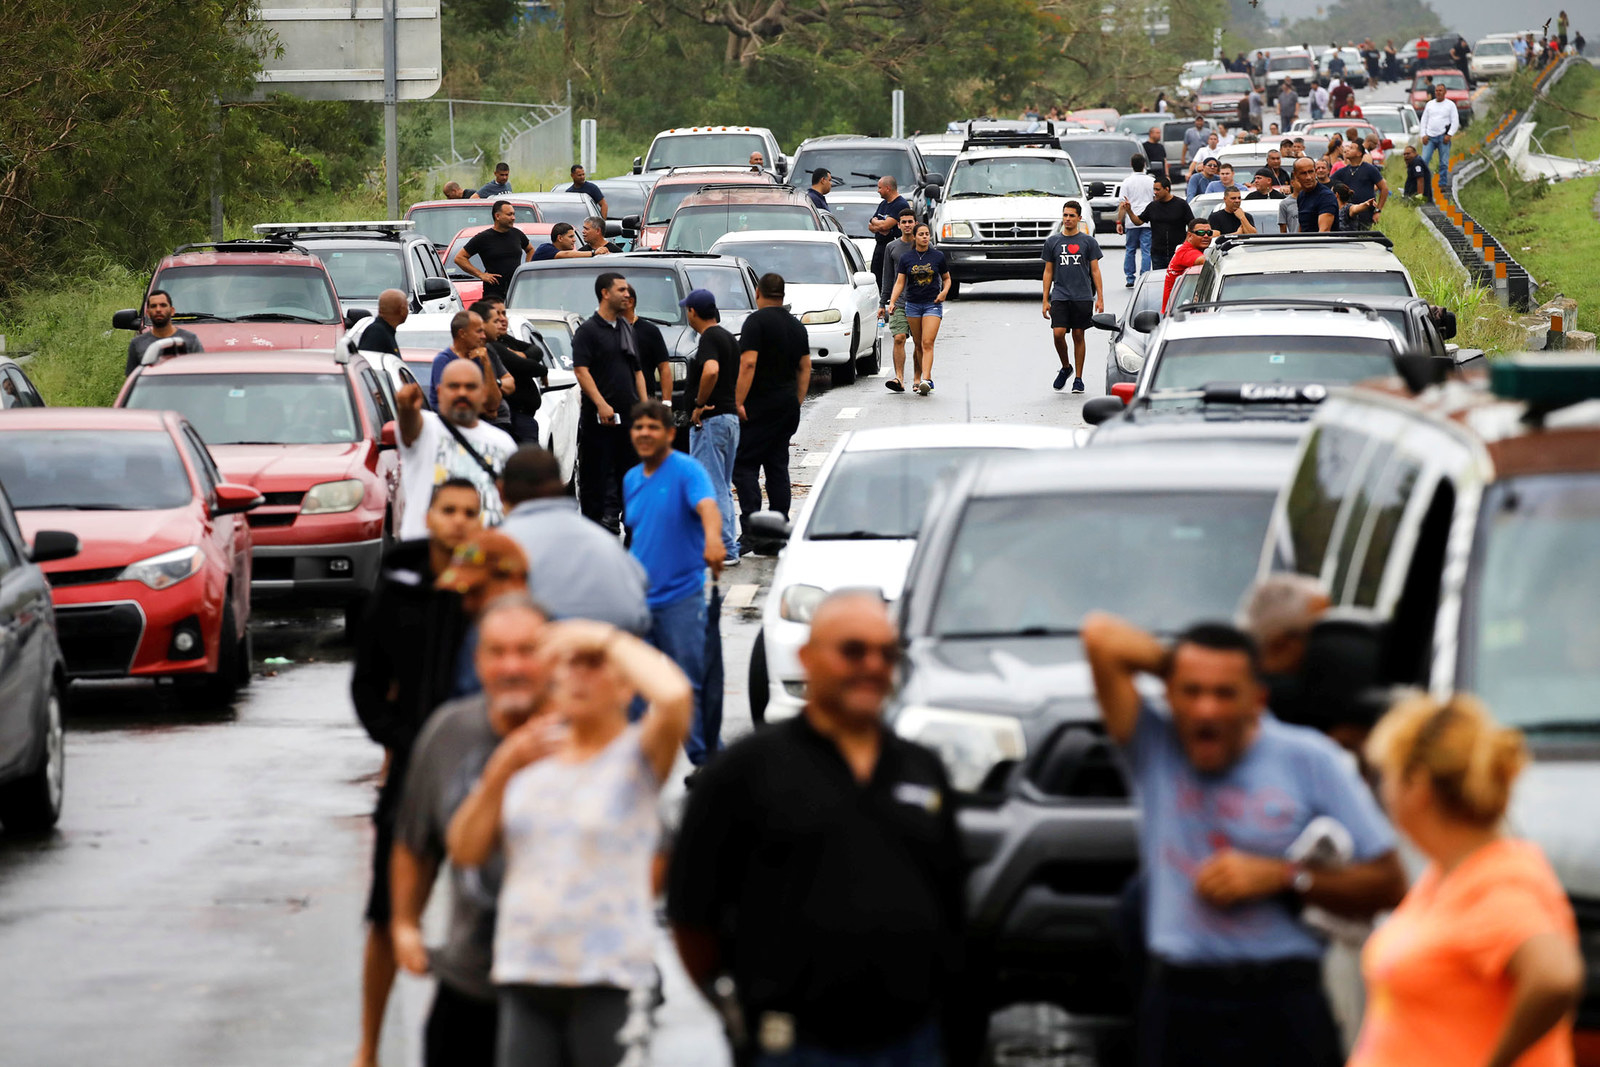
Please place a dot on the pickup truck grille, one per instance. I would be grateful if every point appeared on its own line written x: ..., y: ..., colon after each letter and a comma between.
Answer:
x: 1022, y: 230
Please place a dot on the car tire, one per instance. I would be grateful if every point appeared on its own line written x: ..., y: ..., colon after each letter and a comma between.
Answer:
x: 32, y: 805
x: 354, y: 617
x: 221, y: 686
x: 872, y: 362
x: 843, y: 373
x: 757, y: 681
x: 955, y: 289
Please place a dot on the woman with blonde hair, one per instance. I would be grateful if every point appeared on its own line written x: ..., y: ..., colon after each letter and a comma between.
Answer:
x: 1479, y: 965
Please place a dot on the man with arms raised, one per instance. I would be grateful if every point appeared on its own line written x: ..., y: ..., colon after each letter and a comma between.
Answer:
x: 451, y: 443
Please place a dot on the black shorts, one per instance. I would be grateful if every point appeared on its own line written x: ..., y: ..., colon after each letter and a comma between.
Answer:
x: 1071, y: 314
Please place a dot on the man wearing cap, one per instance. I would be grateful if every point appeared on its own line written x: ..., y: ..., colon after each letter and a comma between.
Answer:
x: 714, y: 427
x: 1261, y: 187
x: 821, y: 186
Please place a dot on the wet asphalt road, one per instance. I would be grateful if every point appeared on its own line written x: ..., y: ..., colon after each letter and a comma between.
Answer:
x: 201, y: 900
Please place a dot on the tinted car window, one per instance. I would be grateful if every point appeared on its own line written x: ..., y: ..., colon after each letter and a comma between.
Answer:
x: 572, y: 289
x: 237, y: 291
x: 92, y: 470
x: 704, y: 150
x: 1318, y: 491
x: 1194, y: 554
x: 875, y: 494
x: 557, y: 342
x: 1111, y: 152
x: 856, y: 168
x: 263, y: 409
x: 1192, y: 363
x: 1356, y: 520
x: 802, y: 263
x: 725, y: 283
x: 363, y: 273
x: 698, y: 227
x: 1344, y: 283
x: 1388, y: 507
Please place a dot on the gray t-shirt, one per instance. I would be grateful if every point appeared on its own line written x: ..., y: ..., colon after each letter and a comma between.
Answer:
x: 1289, y: 215
x: 1194, y: 139
x: 891, y: 267
x: 137, y: 346
x: 576, y: 569
x: 1288, y: 101
x: 449, y: 758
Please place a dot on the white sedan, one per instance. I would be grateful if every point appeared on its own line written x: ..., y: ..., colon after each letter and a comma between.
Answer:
x: 858, y: 528
x: 424, y: 336
x: 827, y: 285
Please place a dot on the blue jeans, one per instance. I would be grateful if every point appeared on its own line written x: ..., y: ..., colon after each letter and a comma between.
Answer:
x: 920, y: 1048
x: 678, y: 629
x: 1431, y: 145
x: 714, y: 443
x: 1135, y: 240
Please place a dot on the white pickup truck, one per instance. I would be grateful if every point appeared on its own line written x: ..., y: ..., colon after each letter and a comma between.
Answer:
x: 708, y: 146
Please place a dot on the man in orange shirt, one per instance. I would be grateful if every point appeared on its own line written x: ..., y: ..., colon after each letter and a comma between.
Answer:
x: 1191, y: 252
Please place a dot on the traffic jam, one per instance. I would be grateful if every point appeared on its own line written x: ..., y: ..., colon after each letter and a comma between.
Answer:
x: 1160, y: 626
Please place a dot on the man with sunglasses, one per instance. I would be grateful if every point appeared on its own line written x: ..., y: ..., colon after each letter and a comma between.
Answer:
x: 1190, y: 253
x: 818, y: 866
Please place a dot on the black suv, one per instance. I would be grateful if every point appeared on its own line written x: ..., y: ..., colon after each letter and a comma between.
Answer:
x: 365, y: 258
x: 858, y: 163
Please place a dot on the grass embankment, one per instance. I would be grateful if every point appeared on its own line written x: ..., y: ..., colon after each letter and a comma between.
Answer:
x: 1551, y: 229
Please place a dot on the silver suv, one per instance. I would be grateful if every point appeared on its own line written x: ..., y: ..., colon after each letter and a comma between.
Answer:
x: 1293, y: 266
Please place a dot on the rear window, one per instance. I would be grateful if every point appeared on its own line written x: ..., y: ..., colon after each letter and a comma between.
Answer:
x: 93, y: 470
x: 1108, y: 153
x: 1193, y: 363
x: 255, y: 409
x: 444, y: 221
x: 1289, y: 63
x: 234, y: 292
x: 704, y: 150
x: 1449, y: 81
x: 800, y: 262
x: 1305, y: 283
x: 696, y: 229
x: 1239, y: 84
x: 572, y: 289
x: 856, y: 168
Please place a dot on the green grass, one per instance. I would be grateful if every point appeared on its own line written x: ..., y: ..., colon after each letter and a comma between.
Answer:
x: 77, y: 357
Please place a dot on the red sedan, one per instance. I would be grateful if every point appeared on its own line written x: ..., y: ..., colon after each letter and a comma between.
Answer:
x: 160, y: 585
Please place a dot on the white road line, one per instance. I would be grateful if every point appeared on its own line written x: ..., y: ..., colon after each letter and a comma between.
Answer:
x: 740, y: 596
x: 848, y: 413
x: 814, y: 459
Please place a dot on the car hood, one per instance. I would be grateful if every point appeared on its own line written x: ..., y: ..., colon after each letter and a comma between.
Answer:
x: 807, y: 296
x: 1548, y: 794
x: 247, y: 336
x: 1004, y: 208
x: 1032, y: 678
x: 286, y: 468
x: 111, y: 538
x: 834, y: 565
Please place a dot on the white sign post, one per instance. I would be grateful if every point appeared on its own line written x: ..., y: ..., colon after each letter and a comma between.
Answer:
x: 897, y: 113
x: 588, y: 144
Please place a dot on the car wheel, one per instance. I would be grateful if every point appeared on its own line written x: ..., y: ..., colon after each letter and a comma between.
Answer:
x: 220, y: 686
x: 354, y: 617
x: 955, y: 289
x: 757, y: 681
x: 844, y: 373
x: 32, y: 805
x: 872, y: 362
x: 245, y: 664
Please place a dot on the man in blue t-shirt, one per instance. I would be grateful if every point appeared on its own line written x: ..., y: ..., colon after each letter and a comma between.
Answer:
x: 500, y: 186
x: 582, y: 184
x: 1225, y: 792
x: 821, y: 186
x: 1318, y: 207
x: 885, y: 221
x: 670, y: 506
x: 1072, y: 291
x: 1366, y: 182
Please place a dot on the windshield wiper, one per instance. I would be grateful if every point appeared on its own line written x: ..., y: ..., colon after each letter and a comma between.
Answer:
x: 658, y: 322
x: 963, y: 196
x: 280, y: 316
x: 1562, y: 726
x: 860, y: 535
x: 195, y: 316
x: 869, y: 177
x: 1031, y: 192
x: 1026, y: 631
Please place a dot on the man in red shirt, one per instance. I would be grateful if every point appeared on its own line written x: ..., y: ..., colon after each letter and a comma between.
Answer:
x: 1189, y: 254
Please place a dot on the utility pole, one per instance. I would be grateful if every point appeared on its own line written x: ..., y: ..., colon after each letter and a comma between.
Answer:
x: 391, y: 109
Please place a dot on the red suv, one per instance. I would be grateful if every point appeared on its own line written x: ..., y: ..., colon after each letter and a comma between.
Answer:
x: 676, y: 185
x: 160, y: 583
x: 244, y: 295
x: 308, y: 429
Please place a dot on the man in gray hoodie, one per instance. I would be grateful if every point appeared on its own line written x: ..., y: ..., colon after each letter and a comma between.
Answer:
x: 896, y: 315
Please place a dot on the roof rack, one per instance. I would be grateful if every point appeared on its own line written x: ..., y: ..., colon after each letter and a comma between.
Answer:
x: 1277, y: 304
x: 1361, y: 237
x: 1045, y: 138
x: 1246, y: 393
x: 244, y: 244
x: 385, y: 228
x: 711, y: 187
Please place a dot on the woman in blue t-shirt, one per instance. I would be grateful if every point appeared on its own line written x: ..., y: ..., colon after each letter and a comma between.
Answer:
x: 925, y: 279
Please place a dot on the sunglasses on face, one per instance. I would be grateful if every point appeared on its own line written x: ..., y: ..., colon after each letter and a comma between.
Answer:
x: 1202, y: 233
x: 856, y: 651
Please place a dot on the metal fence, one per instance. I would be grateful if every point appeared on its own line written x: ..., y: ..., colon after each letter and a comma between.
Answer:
x: 536, y: 143
x: 539, y: 142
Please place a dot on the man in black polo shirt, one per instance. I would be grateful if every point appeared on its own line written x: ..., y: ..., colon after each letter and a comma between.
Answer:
x: 774, y: 375
x: 1168, y: 217
x: 393, y: 309
x: 605, y: 358
x: 500, y: 249
x: 1419, y: 179
x: 818, y: 865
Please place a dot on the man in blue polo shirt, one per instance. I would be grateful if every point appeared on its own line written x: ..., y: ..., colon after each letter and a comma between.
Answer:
x: 671, y: 508
x: 1317, y: 205
x: 1226, y: 792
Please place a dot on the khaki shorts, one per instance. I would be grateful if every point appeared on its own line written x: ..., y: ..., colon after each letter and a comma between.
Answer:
x: 897, y: 321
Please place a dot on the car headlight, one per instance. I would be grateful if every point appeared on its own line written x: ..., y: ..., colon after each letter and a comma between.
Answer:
x: 1128, y: 359
x: 330, y: 498
x: 821, y: 318
x: 970, y: 743
x: 957, y: 231
x: 799, y: 602
x: 167, y: 569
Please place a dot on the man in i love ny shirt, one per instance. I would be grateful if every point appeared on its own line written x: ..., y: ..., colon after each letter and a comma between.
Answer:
x: 1072, y: 291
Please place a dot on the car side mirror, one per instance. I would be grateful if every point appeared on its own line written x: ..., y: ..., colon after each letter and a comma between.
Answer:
x: 386, y: 436
x: 1104, y: 321
x: 1097, y: 190
x: 633, y: 223
x: 1145, y: 321
x: 53, y: 544
x: 614, y: 228
x: 863, y: 277
x: 1124, y: 391
x: 126, y: 319
x: 355, y: 315
x: 638, y: 164
x: 1101, y: 409
x: 232, y: 499
x: 434, y: 289
x: 769, y: 526
x: 933, y: 178
x: 783, y: 167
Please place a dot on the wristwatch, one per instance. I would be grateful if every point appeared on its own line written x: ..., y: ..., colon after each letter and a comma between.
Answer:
x: 1301, y: 881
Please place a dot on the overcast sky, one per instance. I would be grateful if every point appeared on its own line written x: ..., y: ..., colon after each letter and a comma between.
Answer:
x: 1471, y: 18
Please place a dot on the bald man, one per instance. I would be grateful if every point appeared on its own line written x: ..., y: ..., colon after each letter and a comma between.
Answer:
x: 1316, y: 203
x: 452, y: 191
x: 378, y: 335
x: 842, y: 948
x: 432, y: 452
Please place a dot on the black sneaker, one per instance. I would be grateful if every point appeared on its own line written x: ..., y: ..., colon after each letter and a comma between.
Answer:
x: 1077, y: 385
x: 1061, y: 379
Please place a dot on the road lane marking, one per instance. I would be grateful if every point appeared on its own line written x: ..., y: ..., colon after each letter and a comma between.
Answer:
x: 739, y: 597
x: 814, y: 459
x: 848, y: 413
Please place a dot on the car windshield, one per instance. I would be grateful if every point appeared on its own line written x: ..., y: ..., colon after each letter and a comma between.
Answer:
x: 800, y: 262
x: 572, y: 289
x: 443, y: 221
x: 1289, y: 63
x: 698, y: 227
x: 1013, y: 176
x: 1388, y: 122
x: 1194, y: 362
x: 1531, y: 638
x: 254, y: 409
x: 856, y: 168
x: 1495, y: 48
x: 727, y: 284
x: 1236, y: 83
x: 569, y: 209
x: 1110, y: 152
x: 623, y: 198
x: 1193, y: 555
x: 1305, y: 283
x: 557, y: 337
x: 363, y: 273
x: 1449, y: 81
x: 880, y: 495
x: 704, y: 150
x: 853, y: 217
x: 939, y: 162
x: 1201, y: 67
x: 238, y: 291
x: 93, y: 470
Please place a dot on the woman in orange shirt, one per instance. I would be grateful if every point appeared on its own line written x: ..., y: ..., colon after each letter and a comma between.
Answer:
x: 1479, y: 965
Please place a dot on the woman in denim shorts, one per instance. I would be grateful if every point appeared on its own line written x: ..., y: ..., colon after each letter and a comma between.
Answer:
x: 925, y: 279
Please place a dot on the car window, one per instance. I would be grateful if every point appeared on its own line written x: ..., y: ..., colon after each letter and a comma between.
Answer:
x: 1354, y: 520
x: 1388, y: 507
x: 420, y: 264
x: 1146, y: 298
x: 854, y: 260
x: 378, y: 413
x: 800, y: 262
x: 1013, y: 176
x: 704, y: 150
x: 237, y: 291
x: 556, y: 337
x: 696, y: 228
x: 1301, y: 283
x: 856, y: 168
x: 363, y: 273
x: 1330, y: 360
x: 572, y: 210
x: 16, y: 391
x: 725, y: 283
x: 873, y: 495
x: 265, y: 409
x: 92, y: 470
x: 440, y: 222
x: 13, y: 546
x: 571, y: 288
x: 208, y: 486
x: 1331, y: 458
x: 209, y: 465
